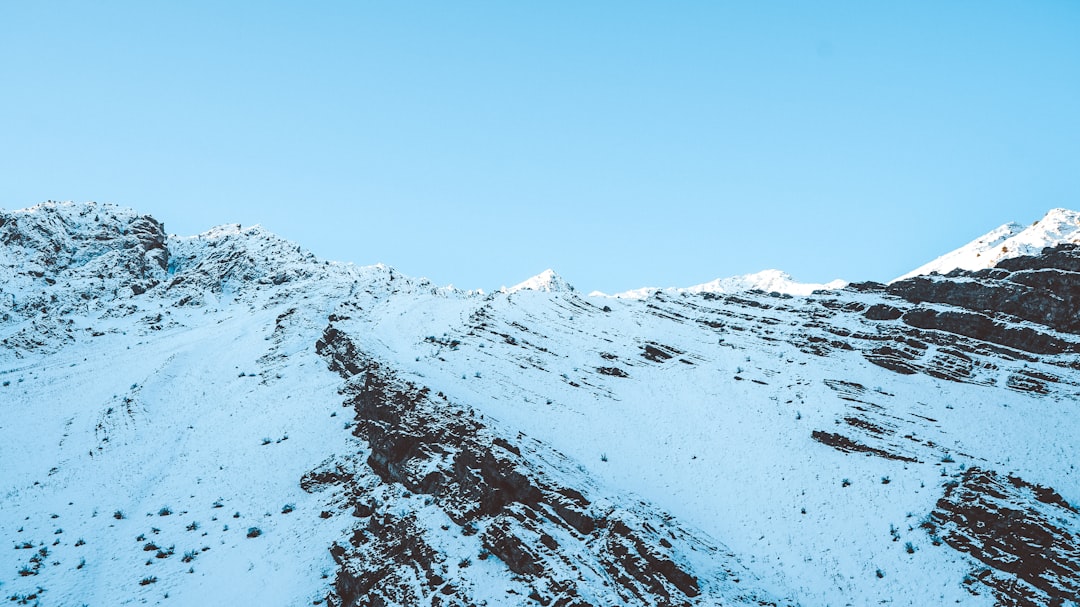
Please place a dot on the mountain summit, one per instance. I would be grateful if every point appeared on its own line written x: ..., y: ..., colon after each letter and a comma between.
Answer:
x: 769, y: 281
x: 226, y: 419
x: 547, y: 281
x: 1059, y: 226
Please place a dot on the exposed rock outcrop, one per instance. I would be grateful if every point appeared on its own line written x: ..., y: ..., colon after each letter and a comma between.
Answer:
x: 554, y: 538
x: 1025, y: 533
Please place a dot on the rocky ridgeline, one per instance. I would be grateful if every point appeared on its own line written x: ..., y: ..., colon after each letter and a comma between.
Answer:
x: 92, y: 253
x: 67, y: 260
x: 63, y: 260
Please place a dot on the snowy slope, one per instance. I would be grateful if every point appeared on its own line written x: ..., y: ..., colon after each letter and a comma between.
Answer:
x: 1059, y: 226
x: 161, y: 398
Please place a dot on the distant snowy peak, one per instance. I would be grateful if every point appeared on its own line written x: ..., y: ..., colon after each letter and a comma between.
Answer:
x: 770, y: 281
x: 547, y: 281
x: 1059, y: 226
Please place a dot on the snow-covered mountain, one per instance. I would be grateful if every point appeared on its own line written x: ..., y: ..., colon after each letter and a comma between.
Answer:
x: 769, y: 281
x: 225, y: 419
x: 548, y: 281
x: 1059, y: 226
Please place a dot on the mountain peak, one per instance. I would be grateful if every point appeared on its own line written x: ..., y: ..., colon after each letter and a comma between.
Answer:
x: 1058, y: 226
x: 766, y: 280
x: 547, y: 281
x: 770, y: 281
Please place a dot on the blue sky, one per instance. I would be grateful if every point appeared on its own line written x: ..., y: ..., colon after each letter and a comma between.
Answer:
x: 622, y: 143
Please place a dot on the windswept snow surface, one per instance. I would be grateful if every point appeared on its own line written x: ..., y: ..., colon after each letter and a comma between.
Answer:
x: 1010, y: 240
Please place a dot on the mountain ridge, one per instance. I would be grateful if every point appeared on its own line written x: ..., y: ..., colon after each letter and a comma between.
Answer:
x: 290, y: 430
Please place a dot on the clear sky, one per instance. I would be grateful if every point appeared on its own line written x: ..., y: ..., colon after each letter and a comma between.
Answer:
x: 622, y: 143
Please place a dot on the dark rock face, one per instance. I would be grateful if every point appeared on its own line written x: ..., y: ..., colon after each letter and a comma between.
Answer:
x: 149, y: 234
x: 386, y: 562
x: 982, y: 327
x: 882, y: 312
x: 1025, y: 533
x: 847, y: 445
x: 550, y: 535
x: 1043, y: 289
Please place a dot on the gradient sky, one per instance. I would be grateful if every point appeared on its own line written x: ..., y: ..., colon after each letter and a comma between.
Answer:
x: 622, y: 143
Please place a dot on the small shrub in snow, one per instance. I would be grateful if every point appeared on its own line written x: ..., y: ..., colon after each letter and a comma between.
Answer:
x: 288, y: 508
x: 254, y: 532
x: 118, y: 515
x: 909, y: 548
x: 885, y: 480
x: 146, y: 581
x: 165, y: 511
x: 193, y: 526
